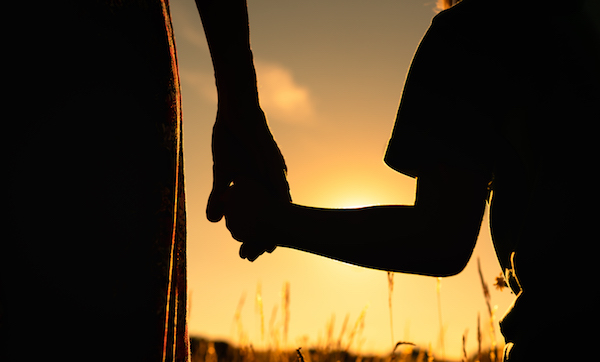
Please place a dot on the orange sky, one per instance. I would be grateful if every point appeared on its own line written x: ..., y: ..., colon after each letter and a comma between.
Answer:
x: 330, y: 74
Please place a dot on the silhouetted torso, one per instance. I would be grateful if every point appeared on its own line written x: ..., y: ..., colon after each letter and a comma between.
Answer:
x: 93, y: 177
x: 512, y: 92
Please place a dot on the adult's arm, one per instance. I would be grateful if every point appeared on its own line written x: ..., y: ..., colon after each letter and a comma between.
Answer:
x: 435, y: 236
x: 227, y: 32
x: 242, y: 142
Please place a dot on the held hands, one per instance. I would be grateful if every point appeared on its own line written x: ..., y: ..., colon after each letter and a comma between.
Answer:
x: 245, y: 153
x: 251, y: 216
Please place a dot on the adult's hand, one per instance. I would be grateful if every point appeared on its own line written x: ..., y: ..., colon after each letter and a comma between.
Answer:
x: 242, y: 142
x: 243, y: 148
x: 249, y: 185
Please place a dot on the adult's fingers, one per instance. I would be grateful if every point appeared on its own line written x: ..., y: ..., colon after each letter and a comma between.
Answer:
x: 215, y: 209
x: 276, y: 181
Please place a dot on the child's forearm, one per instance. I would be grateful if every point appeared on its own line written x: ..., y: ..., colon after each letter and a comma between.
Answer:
x: 394, y: 238
x: 434, y: 237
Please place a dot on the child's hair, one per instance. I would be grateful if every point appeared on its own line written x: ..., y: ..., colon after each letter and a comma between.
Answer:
x: 446, y: 4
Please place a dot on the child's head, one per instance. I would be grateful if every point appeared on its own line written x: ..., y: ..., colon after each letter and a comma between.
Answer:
x: 446, y: 4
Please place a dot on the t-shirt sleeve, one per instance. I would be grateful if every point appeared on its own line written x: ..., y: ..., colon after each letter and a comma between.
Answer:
x: 443, y: 116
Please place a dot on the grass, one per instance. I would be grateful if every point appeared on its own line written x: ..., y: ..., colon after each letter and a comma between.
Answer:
x: 338, y: 348
x: 219, y: 351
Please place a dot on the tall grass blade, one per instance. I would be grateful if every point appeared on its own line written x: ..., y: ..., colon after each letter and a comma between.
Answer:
x: 390, y: 277
x: 439, y: 300
x: 488, y: 302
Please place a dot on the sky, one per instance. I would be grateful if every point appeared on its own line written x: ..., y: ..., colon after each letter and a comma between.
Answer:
x: 330, y: 76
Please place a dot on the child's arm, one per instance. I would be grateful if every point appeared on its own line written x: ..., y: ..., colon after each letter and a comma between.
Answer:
x: 434, y: 237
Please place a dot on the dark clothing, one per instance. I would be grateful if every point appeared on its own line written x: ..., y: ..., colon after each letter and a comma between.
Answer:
x: 514, y: 96
x: 93, y: 267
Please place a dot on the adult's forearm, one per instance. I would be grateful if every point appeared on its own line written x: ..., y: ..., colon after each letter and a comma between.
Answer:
x: 227, y: 32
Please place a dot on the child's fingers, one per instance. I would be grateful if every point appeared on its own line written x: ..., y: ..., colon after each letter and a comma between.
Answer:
x: 246, y: 217
x: 251, y: 250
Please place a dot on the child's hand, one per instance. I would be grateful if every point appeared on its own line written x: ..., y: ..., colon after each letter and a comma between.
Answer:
x: 251, y: 215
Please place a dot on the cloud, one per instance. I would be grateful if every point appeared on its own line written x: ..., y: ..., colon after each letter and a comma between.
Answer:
x: 282, y: 99
x: 203, y: 84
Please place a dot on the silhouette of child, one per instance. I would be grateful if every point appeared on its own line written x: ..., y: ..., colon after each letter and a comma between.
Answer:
x: 500, y: 99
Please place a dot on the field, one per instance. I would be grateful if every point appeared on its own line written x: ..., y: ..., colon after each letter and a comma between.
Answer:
x: 218, y: 351
x: 342, y: 347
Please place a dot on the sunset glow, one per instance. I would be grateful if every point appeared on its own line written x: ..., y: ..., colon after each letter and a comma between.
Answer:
x: 331, y: 75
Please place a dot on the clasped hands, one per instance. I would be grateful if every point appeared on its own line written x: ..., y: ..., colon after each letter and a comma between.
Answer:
x: 249, y: 179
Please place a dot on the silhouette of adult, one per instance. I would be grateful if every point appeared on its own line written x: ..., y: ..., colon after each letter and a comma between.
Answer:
x: 93, y: 263
x: 499, y: 98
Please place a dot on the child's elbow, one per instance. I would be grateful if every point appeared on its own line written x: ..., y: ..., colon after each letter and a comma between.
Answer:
x: 453, y: 258
x: 442, y: 268
x: 436, y: 264
x: 451, y: 268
